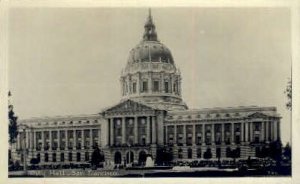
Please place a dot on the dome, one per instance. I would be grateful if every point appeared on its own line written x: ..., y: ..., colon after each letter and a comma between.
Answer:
x: 150, y: 51
x: 150, y: 75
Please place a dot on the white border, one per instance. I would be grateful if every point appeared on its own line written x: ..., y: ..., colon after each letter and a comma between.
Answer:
x: 4, y: 8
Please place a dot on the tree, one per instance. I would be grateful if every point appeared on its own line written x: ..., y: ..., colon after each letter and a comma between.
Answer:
x: 97, y: 157
x: 288, y: 92
x: 287, y: 151
x: 12, y: 129
x: 207, y: 154
x: 275, y: 150
x: 163, y: 156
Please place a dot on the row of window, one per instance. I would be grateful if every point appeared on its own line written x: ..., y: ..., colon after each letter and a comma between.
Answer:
x: 155, y: 87
x: 63, y: 145
x: 208, y: 140
x: 62, y: 157
x: 70, y: 133
x: 230, y: 153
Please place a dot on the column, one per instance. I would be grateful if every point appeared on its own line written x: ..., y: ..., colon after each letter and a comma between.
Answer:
x: 27, y: 139
x: 162, y: 83
x: 184, y: 134
x: 213, y: 134
x: 111, y: 120
x: 194, y: 135
x: 278, y: 129
x: 150, y: 82
x: 135, y: 129
x: 242, y: 132
x: 262, y: 132
x: 31, y: 139
x: 91, y: 138
x: 267, y: 131
x: 232, y: 133
x: 58, y: 140
x: 50, y: 140
x: 99, y: 137
x: 66, y: 140
x: 246, y: 132
x: 123, y: 131
x: 153, y: 129
x: 166, y: 134
x: 74, y: 139
x: 82, y: 139
x: 175, y: 134
x: 272, y: 130
x: 148, y: 130
x: 138, y: 86
x: 223, y: 133
x: 251, y: 131
x: 34, y: 140
x: 43, y: 139
x: 275, y: 130
x: 203, y: 134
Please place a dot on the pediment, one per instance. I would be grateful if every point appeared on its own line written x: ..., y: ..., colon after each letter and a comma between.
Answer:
x: 129, y: 106
x: 258, y: 115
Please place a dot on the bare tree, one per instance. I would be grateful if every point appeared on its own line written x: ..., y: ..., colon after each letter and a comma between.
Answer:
x: 288, y: 92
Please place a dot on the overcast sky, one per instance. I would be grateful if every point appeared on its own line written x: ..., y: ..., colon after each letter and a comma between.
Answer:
x: 68, y: 61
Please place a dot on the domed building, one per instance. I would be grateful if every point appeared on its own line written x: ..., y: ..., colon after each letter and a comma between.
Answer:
x: 150, y: 119
x: 150, y: 75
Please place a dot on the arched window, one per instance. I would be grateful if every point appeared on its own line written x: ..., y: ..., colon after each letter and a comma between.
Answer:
x: 190, y: 153
x: 118, y: 158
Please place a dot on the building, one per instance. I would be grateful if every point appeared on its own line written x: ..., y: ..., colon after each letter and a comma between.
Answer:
x: 151, y: 115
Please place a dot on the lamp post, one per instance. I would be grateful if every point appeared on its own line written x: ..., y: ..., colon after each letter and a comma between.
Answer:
x: 129, y: 155
x: 24, y: 149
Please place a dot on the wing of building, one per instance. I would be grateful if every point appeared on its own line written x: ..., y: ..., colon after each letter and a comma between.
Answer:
x: 150, y: 116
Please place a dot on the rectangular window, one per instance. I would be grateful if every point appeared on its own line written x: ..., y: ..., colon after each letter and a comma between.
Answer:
x: 145, y: 86
x: 166, y: 86
x: 134, y: 87
x: 62, y: 157
x: 87, y: 156
x: 156, y: 86
x: 70, y: 157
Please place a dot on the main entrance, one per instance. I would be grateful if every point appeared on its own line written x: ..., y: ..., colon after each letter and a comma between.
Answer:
x: 142, y: 158
x: 118, y: 158
x: 129, y: 157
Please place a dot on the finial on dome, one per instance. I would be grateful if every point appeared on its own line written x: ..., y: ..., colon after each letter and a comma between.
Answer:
x: 149, y: 10
x: 150, y: 33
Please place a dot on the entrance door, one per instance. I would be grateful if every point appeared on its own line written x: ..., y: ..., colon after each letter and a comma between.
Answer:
x: 118, y: 158
x: 129, y: 157
x: 142, y: 158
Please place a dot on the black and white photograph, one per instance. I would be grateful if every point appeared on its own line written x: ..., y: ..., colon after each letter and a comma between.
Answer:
x: 149, y: 92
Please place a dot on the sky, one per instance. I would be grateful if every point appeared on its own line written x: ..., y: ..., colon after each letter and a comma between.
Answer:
x: 68, y: 61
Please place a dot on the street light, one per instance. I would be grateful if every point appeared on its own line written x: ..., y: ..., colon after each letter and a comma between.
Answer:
x: 23, y: 128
